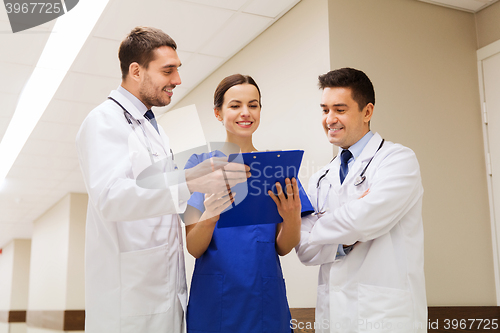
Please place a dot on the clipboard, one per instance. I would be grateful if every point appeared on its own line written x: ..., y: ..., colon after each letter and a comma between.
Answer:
x: 252, y: 204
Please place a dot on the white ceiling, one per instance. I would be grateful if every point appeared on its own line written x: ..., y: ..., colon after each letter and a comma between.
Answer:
x: 472, y: 6
x: 208, y: 33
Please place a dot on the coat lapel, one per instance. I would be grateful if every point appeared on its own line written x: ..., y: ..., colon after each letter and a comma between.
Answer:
x: 153, y: 135
x: 367, y: 153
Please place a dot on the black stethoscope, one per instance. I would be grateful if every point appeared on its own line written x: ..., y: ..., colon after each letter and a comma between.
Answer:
x: 148, y: 144
x: 358, y: 181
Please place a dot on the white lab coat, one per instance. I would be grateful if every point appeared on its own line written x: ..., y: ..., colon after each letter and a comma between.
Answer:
x: 135, y: 277
x: 379, y: 286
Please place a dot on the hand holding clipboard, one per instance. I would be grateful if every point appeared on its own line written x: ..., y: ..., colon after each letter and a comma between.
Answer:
x: 253, y: 205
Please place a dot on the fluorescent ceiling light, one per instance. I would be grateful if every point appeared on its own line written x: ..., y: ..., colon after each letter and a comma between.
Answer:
x: 67, y: 38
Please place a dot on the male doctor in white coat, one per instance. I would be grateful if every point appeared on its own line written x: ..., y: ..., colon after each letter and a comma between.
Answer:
x: 367, y: 232
x: 135, y: 277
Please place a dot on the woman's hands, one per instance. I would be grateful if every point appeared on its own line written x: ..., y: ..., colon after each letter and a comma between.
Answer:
x: 215, y: 204
x: 200, y: 227
x: 289, y: 208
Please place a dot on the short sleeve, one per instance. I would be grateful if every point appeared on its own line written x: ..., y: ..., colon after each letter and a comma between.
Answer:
x: 197, y: 199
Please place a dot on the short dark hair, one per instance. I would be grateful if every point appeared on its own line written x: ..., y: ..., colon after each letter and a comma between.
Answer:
x: 139, y: 46
x: 360, y: 85
x: 231, y: 81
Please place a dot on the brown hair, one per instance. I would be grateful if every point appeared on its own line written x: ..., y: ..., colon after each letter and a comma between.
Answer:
x: 231, y: 81
x: 139, y: 46
x: 361, y: 87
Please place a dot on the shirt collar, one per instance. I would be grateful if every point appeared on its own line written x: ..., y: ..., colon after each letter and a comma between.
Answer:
x: 357, y: 148
x: 134, y: 100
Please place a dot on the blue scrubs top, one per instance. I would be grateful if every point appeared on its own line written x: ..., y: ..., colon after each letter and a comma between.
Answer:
x: 237, y: 284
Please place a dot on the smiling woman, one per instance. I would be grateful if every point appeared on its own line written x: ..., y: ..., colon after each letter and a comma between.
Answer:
x: 238, y: 106
x: 238, y: 285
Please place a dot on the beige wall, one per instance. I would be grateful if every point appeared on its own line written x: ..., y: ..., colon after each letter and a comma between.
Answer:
x: 488, y: 25
x: 13, y: 328
x: 20, y: 280
x: 49, y: 257
x: 6, y: 268
x: 422, y: 61
x: 75, y: 297
x: 57, y: 256
x: 14, y: 274
x: 285, y: 61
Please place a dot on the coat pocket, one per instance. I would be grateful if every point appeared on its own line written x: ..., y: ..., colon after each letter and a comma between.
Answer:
x: 382, y: 309
x: 146, y: 287
x: 275, y: 312
x: 204, y: 312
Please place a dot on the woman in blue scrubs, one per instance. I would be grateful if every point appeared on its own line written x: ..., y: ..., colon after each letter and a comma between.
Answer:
x: 237, y: 284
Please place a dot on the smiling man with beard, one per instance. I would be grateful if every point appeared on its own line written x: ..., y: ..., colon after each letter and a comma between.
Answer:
x: 135, y: 279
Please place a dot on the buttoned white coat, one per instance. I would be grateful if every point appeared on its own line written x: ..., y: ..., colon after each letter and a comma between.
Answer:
x: 379, y: 286
x: 135, y: 277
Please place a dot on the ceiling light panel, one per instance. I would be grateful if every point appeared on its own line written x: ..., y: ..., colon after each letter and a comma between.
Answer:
x: 55, y: 132
x: 74, y: 176
x: 50, y: 148
x: 269, y: 8
x: 239, y: 31
x: 21, y: 230
x: 25, y: 47
x: 226, y: 4
x: 24, y: 186
x: 179, y: 93
x: 30, y: 173
x: 467, y: 5
x: 72, y: 187
x: 185, y: 58
x: 73, y: 182
x: 4, y: 18
x: 4, y: 123
x: 83, y: 88
x: 12, y: 215
x: 189, y: 24
x: 201, y: 24
x: 7, y: 104
x: 46, y: 162
x: 200, y: 66
x: 18, y: 76
x: 67, y: 112
x: 57, y: 194
x: 106, y: 64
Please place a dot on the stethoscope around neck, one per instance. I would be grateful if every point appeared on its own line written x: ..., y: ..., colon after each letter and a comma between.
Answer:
x: 131, y: 118
x: 358, y: 181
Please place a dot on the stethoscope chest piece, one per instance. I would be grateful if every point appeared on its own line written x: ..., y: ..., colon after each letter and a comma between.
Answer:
x: 359, y: 180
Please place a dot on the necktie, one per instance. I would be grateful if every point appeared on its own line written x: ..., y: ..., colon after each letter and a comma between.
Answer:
x: 149, y: 115
x: 345, y: 156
